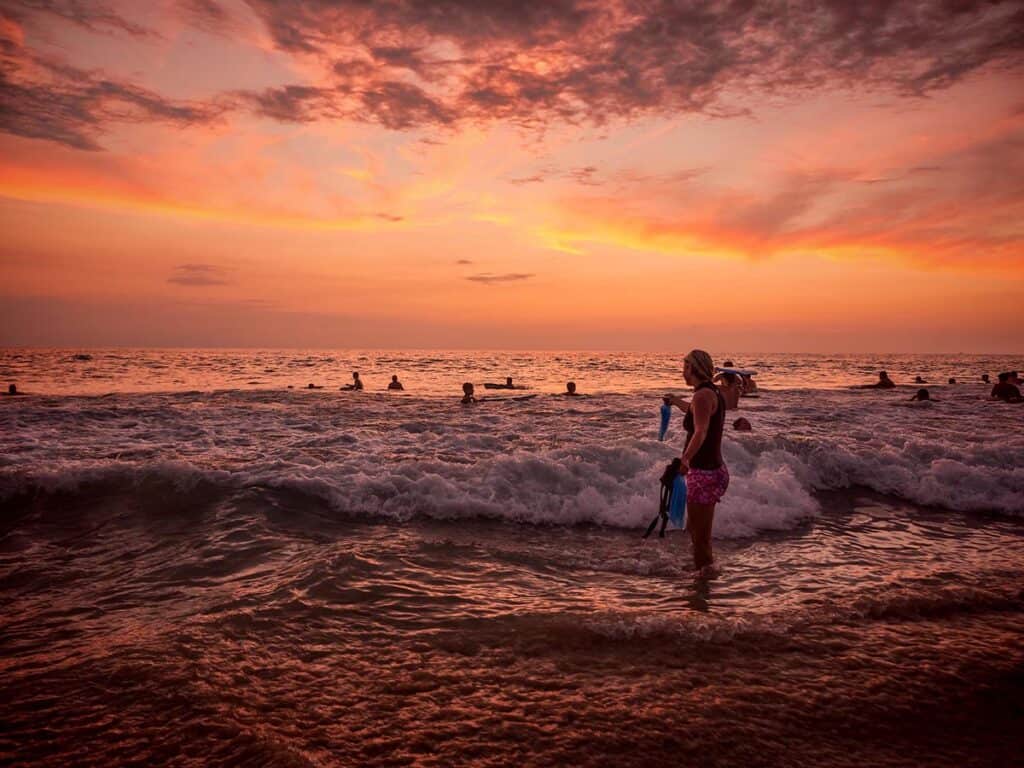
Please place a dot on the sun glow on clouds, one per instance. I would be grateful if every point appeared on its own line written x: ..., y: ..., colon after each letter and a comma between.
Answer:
x: 320, y: 156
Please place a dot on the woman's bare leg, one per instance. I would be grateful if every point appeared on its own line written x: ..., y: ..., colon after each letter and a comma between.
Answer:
x: 700, y: 518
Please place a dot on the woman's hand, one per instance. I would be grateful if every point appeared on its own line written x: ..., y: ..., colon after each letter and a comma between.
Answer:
x: 684, y: 466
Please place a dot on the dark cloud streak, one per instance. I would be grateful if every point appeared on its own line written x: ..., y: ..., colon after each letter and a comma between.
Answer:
x: 199, y: 275
x: 407, y: 64
x: 41, y: 98
x: 620, y: 59
x: 486, y: 278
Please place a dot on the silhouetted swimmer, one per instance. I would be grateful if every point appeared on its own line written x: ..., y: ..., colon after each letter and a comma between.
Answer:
x: 951, y: 380
x: 921, y: 395
x: 919, y: 380
x: 742, y: 425
x: 395, y: 383
x: 467, y: 394
x: 984, y: 378
x: 313, y: 386
x: 356, y: 384
x: 570, y: 389
x: 1005, y: 390
x: 884, y: 382
x: 12, y: 391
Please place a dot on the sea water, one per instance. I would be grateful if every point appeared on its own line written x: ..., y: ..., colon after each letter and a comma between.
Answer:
x: 199, y: 565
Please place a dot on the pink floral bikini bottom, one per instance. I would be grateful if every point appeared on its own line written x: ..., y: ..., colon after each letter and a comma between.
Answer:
x: 706, y: 486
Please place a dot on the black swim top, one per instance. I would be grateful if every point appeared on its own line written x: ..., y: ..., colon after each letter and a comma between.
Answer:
x: 709, y: 455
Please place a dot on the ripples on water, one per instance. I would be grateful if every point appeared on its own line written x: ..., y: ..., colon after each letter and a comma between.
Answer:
x: 310, y: 578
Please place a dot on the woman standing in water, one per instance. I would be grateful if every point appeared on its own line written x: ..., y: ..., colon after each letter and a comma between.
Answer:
x: 707, y: 477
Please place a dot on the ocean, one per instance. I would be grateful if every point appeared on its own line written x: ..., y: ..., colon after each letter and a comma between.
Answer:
x: 205, y: 562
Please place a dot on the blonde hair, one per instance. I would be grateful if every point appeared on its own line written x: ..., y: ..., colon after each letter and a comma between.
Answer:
x: 701, y: 364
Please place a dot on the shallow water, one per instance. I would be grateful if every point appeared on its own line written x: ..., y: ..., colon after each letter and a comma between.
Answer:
x: 274, y: 577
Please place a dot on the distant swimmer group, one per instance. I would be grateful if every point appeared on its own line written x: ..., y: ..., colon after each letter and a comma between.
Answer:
x: 1007, y: 389
x: 469, y: 396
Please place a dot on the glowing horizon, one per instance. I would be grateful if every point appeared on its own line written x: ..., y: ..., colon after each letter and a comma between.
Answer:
x: 547, y: 175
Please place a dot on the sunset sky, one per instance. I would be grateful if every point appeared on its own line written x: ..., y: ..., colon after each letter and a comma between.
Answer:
x: 800, y: 176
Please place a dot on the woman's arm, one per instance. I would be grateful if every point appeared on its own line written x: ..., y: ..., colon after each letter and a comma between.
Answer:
x: 701, y: 407
x: 680, y: 403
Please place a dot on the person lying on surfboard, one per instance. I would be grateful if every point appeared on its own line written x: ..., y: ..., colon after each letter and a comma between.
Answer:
x: 507, y: 385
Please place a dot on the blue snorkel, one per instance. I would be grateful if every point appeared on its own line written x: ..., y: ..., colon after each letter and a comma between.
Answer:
x: 666, y: 415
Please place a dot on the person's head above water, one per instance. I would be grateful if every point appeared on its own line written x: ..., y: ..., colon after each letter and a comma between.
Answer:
x: 570, y: 387
x: 12, y: 390
x: 918, y: 380
x: 922, y: 394
x: 883, y: 375
x: 467, y: 388
x: 951, y: 380
x: 394, y: 377
x: 1004, y: 377
x: 508, y: 381
x: 728, y: 364
x: 698, y: 367
x: 741, y: 425
x: 985, y: 378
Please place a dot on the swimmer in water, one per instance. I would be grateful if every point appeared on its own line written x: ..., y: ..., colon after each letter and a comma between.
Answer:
x: 919, y: 380
x: 1005, y: 390
x: 884, y: 382
x: 922, y: 395
x: 357, y: 383
x: 742, y: 425
x: 12, y: 391
x: 395, y: 383
x: 467, y: 394
x: 570, y: 389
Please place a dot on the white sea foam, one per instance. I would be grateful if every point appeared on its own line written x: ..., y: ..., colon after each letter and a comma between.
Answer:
x: 536, y: 462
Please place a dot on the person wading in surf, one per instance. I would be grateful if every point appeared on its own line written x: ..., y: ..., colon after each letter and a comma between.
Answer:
x: 707, y: 477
